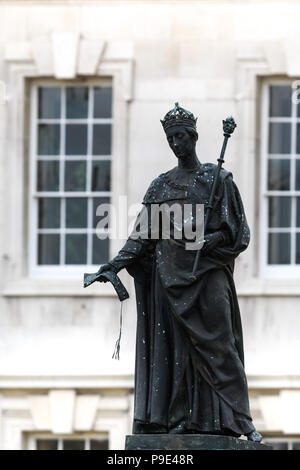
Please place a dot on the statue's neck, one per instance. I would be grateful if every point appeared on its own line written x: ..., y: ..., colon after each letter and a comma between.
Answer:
x: 189, y: 162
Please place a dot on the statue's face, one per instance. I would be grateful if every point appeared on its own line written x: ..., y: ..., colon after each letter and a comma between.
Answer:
x: 180, y: 141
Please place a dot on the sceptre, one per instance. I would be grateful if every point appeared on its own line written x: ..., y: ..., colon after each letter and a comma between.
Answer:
x: 228, y: 128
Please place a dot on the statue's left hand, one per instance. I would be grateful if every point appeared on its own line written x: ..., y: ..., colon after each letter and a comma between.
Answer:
x: 103, y: 268
x: 212, y: 240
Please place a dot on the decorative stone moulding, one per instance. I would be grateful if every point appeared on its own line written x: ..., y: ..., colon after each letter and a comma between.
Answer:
x: 67, y: 55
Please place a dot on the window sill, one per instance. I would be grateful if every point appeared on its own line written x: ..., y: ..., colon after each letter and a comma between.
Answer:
x: 57, y: 288
x: 73, y: 288
x: 269, y: 288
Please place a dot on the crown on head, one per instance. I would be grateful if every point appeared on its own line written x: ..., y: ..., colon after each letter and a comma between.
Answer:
x: 179, y: 116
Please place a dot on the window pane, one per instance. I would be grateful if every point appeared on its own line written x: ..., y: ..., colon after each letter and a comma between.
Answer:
x: 297, y: 176
x: 279, y: 211
x: 73, y: 444
x: 48, y: 176
x: 99, y: 445
x: 280, y: 100
x: 102, y: 102
x: 100, y: 250
x: 279, y: 174
x: 76, y: 248
x: 278, y: 445
x: 76, y: 139
x: 49, y: 212
x: 48, y: 139
x: 279, y: 248
x: 101, y: 139
x: 298, y: 254
x: 77, y: 102
x: 298, y: 139
x: 279, y: 137
x: 49, y: 102
x: 297, y: 211
x: 46, y: 444
x: 75, y: 176
x: 76, y: 212
x: 297, y: 97
x: 296, y: 445
x: 101, y: 175
x: 48, y: 251
x: 97, y: 201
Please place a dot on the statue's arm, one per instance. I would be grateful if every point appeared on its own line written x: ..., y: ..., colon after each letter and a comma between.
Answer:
x: 136, y: 245
x: 214, y: 240
x: 228, y: 228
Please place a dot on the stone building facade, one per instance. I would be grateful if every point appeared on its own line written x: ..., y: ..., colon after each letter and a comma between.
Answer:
x: 116, y: 67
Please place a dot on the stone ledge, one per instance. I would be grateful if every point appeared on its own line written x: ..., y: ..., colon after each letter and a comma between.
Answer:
x: 189, y: 442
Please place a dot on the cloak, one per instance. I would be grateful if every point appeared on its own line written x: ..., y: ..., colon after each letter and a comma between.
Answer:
x: 189, y: 374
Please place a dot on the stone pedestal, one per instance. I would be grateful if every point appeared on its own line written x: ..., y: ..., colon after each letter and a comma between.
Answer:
x: 189, y: 442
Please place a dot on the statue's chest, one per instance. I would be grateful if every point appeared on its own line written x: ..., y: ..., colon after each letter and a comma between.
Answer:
x: 194, y: 190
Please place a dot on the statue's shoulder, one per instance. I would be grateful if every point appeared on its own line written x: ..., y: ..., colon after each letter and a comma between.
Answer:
x: 212, y: 167
x: 165, y: 188
x: 155, y: 189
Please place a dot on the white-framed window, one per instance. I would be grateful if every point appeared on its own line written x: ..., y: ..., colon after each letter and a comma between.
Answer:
x: 280, y: 181
x: 73, y: 442
x: 70, y: 174
x: 283, y: 443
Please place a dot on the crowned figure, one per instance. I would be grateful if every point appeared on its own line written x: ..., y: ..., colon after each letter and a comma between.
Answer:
x: 189, y: 374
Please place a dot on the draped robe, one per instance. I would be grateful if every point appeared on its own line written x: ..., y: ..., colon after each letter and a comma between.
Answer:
x: 189, y: 374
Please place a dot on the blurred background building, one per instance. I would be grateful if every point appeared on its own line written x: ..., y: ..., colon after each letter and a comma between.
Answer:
x: 83, y: 87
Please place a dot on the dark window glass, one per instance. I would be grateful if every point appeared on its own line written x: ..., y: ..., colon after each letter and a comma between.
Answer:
x: 280, y: 101
x: 48, y: 176
x: 97, y: 201
x: 77, y: 102
x: 99, y: 445
x: 279, y: 174
x: 49, y: 212
x: 298, y: 258
x: 76, y: 246
x: 279, y: 137
x: 278, y: 445
x: 279, y: 211
x: 73, y: 444
x: 49, y: 102
x: 48, y: 252
x: 297, y: 176
x: 75, y: 176
x: 46, y: 444
x: 101, y: 175
x: 102, y: 102
x: 74, y: 173
x: 48, y: 139
x: 297, y: 97
x: 100, y: 250
x: 101, y: 139
x: 279, y: 248
x: 297, y: 211
x: 296, y: 445
x: 298, y: 139
x: 76, y: 139
x: 76, y: 212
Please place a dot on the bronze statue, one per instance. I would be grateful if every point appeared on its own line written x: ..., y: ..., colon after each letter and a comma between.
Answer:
x: 189, y: 374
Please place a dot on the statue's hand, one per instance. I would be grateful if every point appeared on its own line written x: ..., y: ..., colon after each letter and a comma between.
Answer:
x: 102, y: 269
x: 212, y: 240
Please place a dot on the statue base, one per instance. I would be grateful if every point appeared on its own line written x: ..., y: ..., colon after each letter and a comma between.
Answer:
x: 190, y: 442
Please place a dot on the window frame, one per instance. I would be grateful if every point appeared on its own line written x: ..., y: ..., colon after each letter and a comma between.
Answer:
x: 275, y: 271
x: 32, y: 438
x: 288, y: 440
x: 62, y: 271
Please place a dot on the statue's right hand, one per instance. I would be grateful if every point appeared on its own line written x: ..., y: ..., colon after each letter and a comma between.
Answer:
x: 103, y: 268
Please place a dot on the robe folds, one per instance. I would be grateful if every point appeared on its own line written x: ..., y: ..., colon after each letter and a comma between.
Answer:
x: 189, y: 374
